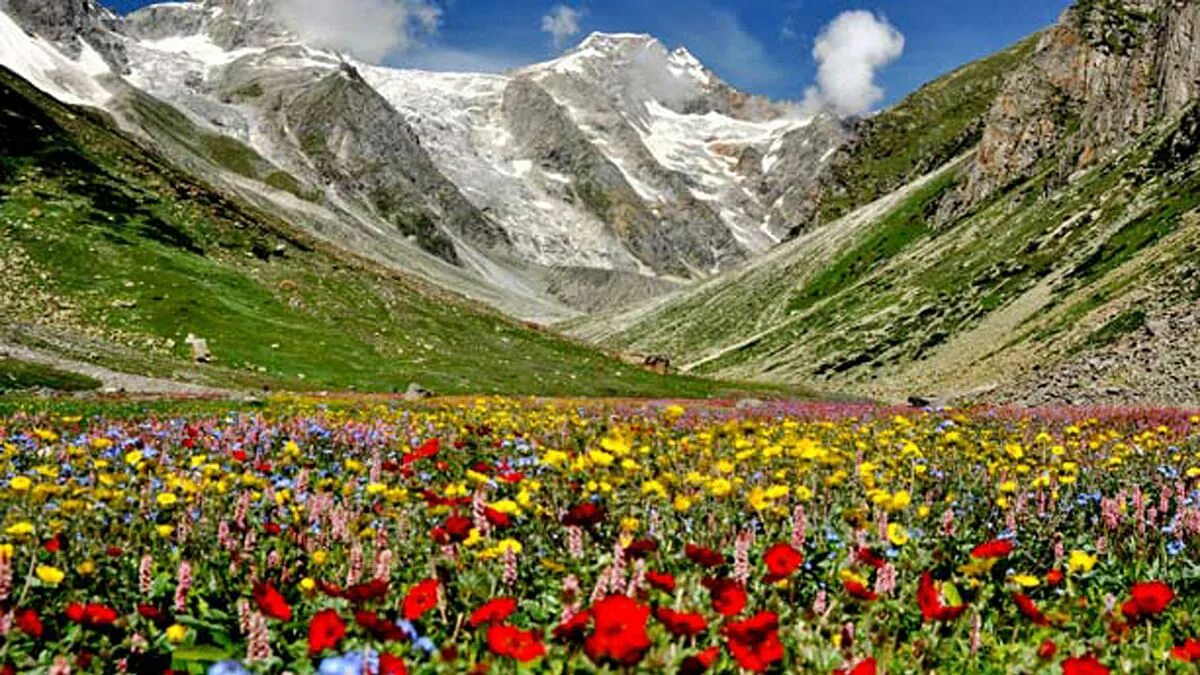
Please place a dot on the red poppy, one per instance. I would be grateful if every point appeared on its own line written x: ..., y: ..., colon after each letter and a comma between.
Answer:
x: 391, y: 665
x: 149, y: 611
x: 781, y: 560
x: 929, y: 599
x: 91, y: 615
x: 728, y: 596
x: 497, y: 519
x: 640, y: 548
x: 1083, y: 665
x: 113, y: 551
x: 620, y: 635
x: 365, y: 592
x: 703, y: 556
x: 325, y: 631
x: 271, y: 603
x: 29, y: 623
x: 587, y: 514
x: 420, y: 599
x: 1148, y: 598
x: 701, y: 662
x: 754, y: 643
x: 1054, y: 577
x: 427, y: 450
x: 272, y: 528
x: 457, y: 529
x: 1047, y: 650
x: 996, y: 548
x: 520, y: 645
x: 868, y: 557
x: 864, y: 667
x: 380, y: 628
x: 1188, y: 652
x: 1030, y: 610
x: 860, y: 592
x: 662, y: 581
x: 53, y: 544
x: 681, y: 624
x: 574, y: 628
x: 493, y: 611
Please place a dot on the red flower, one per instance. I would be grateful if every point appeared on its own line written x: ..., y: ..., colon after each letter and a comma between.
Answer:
x: 29, y: 623
x: 364, y: 592
x: 521, y: 645
x: 420, y: 599
x: 1188, y: 652
x: 573, y: 629
x: 703, y: 556
x: 427, y: 450
x: 867, y: 557
x: 91, y: 615
x: 929, y: 599
x: 53, y: 544
x: 728, y: 596
x: 1148, y: 598
x: 681, y: 624
x: 864, y: 667
x: 325, y: 631
x: 662, y: 581
x: 377, y: 627
x: 587, y: 514
x: 640, y: 548
x: 620, y: 632
x: 1054, y: 577
x: 493, y: 611
x: 271, y: 603
x: 1047, y: 650
x: 391, y: 665
x: 457, y: 529
x: 1083, y: 665
x: 148, y: 611
x: 699, y: 663
x: 1030, y: 610
x: 859, y: 591
x: 996, y: 548
x: 781, y: 560
x: 497, y: 519
x: 754, y: 643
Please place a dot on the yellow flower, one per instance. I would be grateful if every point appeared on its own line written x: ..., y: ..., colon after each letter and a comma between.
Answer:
x: 164, y: 530
x: 133, y: 457
x: 166, y: 499
x: 720, y: 487
x: 555, y: 458
x: 682, y: 503
x: 1024, y: 580
x: 506, y: 506
x: 897, y: 534
x: 20, y: 484
x: 20, y: 529
x: 307, y: 584
x: 600, y: 458
x: 176, y: 633
x: 1080, y: 562
x: 674, y: 412
x: 86, y: 568
x: 51, y: 576
x: 319, y: 557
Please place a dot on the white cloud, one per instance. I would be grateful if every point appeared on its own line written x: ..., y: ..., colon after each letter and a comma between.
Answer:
x: 369, y: 29
x: 850, y: 51
x: 562, y: 23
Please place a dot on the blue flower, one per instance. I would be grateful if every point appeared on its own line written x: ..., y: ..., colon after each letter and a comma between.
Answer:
x: 1175, y: 547
x: 227, y: 668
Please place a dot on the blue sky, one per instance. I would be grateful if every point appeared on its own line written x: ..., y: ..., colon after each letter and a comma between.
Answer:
x: 760, y: 46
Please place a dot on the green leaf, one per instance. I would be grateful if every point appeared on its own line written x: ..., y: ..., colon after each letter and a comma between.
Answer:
x: 206, y: 653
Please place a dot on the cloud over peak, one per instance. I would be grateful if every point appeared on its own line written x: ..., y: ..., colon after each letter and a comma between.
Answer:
x: 370, y: 30
x: 849, y: 52
x: 562, y: 23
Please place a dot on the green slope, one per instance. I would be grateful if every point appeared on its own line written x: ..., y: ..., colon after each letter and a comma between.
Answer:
x: 898, y: 299
x: 114, y: 255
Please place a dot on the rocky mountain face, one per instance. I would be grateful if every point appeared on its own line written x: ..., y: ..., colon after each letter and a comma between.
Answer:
x: 1100, y: 79
x: 1047, y: 254
x: 615, y: 173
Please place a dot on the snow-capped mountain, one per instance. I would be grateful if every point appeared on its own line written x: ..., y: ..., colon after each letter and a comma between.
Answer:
x: 618, y: 171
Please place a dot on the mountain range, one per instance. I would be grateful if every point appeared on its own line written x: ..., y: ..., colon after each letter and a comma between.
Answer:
x: 1022, y: 229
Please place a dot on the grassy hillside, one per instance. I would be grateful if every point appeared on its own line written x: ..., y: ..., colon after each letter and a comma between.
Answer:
x: 890, y: 301
x: 115, y: 256
x: 931, y: 126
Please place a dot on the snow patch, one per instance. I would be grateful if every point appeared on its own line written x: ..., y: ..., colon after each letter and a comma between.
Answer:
x: 48, y: 69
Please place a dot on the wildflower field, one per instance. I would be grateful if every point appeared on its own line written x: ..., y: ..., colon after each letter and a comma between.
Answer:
x: 507, y: 535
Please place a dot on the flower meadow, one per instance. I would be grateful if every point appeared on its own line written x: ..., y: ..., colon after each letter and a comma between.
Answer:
x: 507, y: 535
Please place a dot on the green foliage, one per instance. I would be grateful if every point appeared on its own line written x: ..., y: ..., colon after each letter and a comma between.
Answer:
x: 1118, y: 327
x: 18, y: 375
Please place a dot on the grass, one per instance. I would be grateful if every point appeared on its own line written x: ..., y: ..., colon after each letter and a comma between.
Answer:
x: 16, y: 376
x: 147, y: 255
